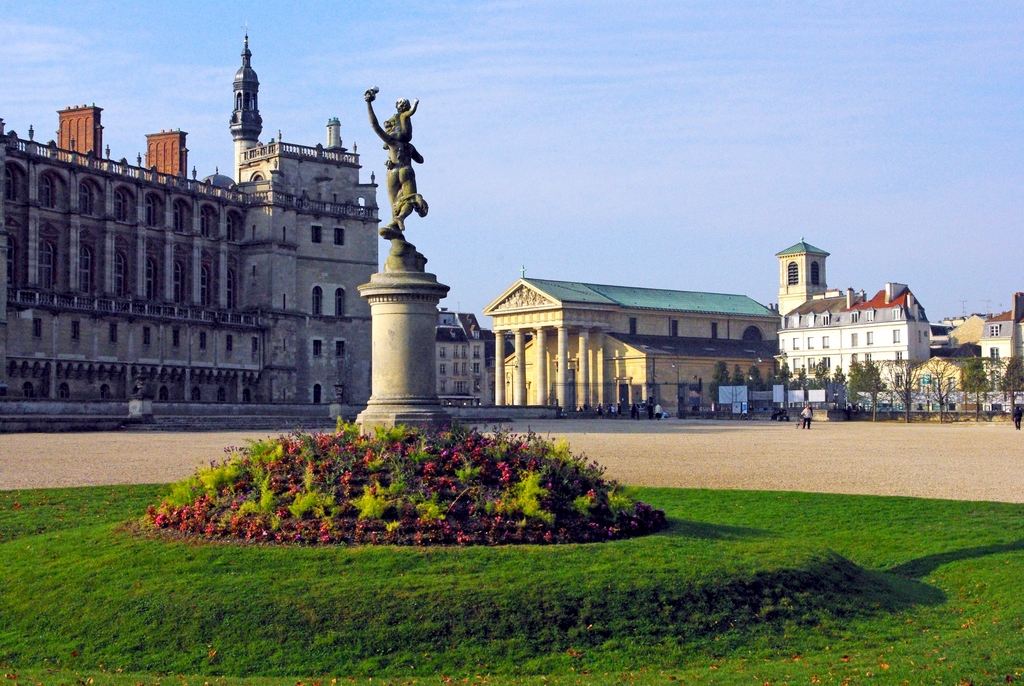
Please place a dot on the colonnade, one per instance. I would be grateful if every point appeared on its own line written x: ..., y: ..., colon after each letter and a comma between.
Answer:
x: 587, y: 388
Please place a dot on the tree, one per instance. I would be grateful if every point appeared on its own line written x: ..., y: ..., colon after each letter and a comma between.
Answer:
x: 737, y: 377
x: 866, y: 377
x: 974, y: 380
x: 754, y: 380
x: 904, y: 378
x: 1012, y: 381
x: 838, y: 377
x: 821, y: 373
x: 801, y: 378
x: 720, y: 377
x: 943, y: 381
x: 785, y: 375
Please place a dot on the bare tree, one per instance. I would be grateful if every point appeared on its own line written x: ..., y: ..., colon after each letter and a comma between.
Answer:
x: 1012, y: 381
x: 974, y: 380
x: 904, y: 378
x: 942, y: 379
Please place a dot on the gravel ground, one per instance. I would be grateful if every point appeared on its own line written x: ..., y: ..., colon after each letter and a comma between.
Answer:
x: 961, y: 461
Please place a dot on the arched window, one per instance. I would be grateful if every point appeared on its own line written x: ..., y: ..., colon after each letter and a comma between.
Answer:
x: 85, y: 269
x: 182, y: 216
x: 85, y: 198
x: 47, y: 264
x: 222, y: 395
x: 47, y: 191
x: 794, y: 274
x: 122, y: 205
x: 28, y: 390
x: 234, y: 226
x: 104, y: 392
x: 232, y: 289
x: 318, y: 300
x: 120, y: 274
x: 317, y: 392
x: 752, y: 333
x: 153, y: 210
x: 178, y: 279
x: 246, y: 395
x: 815, y: 274
x: 64, y: 391
x: 256, y: 177
x: 208, y: 221
x: 339, y: 302
x: 11, y: 260
x: 204, y: 285
x: 164, y: 394
x: 196, y: 394
x: 151, y: 281
x: 11, y: 185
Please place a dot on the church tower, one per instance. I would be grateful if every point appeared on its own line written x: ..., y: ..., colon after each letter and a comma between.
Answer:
x: 801, y: 275
x: 246, y: 122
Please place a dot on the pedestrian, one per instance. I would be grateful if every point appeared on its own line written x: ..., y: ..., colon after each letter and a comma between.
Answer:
x: 657, y: 410
x: 1018, y: 412
x: 806, y: 417
x: 650, y: 409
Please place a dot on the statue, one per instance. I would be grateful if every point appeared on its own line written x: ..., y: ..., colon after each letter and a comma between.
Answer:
x: 401, y: 178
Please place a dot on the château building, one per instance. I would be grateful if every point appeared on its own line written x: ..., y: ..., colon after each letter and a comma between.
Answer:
x: 124, y: 276
x: 465, y: 360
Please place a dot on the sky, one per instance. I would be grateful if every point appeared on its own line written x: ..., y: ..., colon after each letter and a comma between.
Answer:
x: 665, y: 144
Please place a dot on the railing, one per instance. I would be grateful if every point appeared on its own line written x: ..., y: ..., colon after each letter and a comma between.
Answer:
x: 275, y: 148
x: 52, y: 152
x: 88, y: 303
x: 272, y: 197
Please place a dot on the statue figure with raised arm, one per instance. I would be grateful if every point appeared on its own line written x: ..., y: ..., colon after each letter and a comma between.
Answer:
x: 401, y: 178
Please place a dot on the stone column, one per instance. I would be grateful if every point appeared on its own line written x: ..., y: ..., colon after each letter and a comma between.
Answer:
x: 540, y: 340
x: 168, y: 267
x: 222, y: 277
x: 599, y: 371
x: 197, y: 264
x: 563, y: 364
x: 140, y: 262
x: 73, y: 250
x: 584, y: 384
x: 33, y: 246
x: 519, y: 369
x: 499, y: 368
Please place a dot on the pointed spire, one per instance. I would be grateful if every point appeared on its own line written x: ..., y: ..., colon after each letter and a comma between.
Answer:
x: 246, y: 53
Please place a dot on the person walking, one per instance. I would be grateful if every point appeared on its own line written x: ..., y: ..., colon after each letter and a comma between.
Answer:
x: 657, y: 410
x: 1018, y: 413
x: 650, y: 409
x: 806, y: 416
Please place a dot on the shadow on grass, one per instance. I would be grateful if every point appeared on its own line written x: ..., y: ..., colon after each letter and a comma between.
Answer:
x: 712, y: 532
x: 922, y: 566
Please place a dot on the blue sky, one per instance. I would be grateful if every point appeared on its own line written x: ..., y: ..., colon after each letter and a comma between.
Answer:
x: 671, y: 145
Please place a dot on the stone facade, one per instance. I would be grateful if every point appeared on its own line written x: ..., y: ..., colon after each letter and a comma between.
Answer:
x: 464, y: 360
x: 1002, y: 335
x: 119, y: 276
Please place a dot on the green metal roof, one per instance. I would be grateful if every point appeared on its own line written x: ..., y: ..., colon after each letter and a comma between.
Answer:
x: 651, y: 298
x: 801, y: 247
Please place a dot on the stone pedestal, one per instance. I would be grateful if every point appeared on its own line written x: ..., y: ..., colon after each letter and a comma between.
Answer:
x: 403, y: 305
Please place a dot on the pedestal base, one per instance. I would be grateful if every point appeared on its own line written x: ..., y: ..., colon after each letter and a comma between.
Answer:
x: 428, y: 417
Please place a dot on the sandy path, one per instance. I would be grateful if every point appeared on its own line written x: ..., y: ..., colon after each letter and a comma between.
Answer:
x: 963, y: 461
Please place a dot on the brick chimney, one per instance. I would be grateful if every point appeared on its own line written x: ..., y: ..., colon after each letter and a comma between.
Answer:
x: 80, y: 129
x: 167, y: 152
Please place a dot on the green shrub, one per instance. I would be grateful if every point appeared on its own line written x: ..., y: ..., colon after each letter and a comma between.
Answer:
x: 216, y: 479
x: 184, y: 492
x: 371, y: 504
x: 310, y: 501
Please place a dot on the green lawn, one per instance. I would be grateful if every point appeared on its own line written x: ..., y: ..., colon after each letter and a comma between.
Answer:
x: 744, y: 587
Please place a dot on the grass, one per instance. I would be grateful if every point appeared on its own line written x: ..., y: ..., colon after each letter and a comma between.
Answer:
x: 744, y: 587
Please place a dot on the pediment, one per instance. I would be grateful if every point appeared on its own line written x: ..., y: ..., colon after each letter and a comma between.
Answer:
x: 523, y: 298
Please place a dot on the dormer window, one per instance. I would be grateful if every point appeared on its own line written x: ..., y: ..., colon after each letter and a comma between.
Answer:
x: 826, y: 319
x: 897, y: 312
x: 854, y: 317
x: 870, y: 315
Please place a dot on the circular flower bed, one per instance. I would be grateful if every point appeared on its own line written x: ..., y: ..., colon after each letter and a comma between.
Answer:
x: 403, y: 487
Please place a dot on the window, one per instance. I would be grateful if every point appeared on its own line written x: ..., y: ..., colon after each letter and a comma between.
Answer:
x: 318, y: 299
x: 150, y: 278
x: 152, y: 210
x: 339, y: 348
x: 869, y: 338
x: 825, y: 342
x: 178, y: 282
x: 182, y: 216
x: 476, y: 367
x: 208, y: 221
x: 476, y: 352
x: 809, y: 319
x: 810, y: 344
x: 339, y: 236
x: 854, y: 317
x: 11, y: 260
x: 992, y: 352
x: 796, y: 344
x: 827, y: 361
x: 64, y: 391
x: 317, y: 393
x: 444, y: 368
x: 222, y: 395
x: 895, y: 335
x: 47, y: 194
x: 897, y: 312
x: 853, y: 340
x: 202, y: 340
x: 815, y: 274
x: 444, y: 386
x: 229, y: 343
x: 442, y: 352
x: 120, y: 274
x: 899, y: 355
x: 714, y: 329
x: 10, y: 185
x: 255, y: 345
x: 632, y: 325
x: 47, y: 264
x: 121, y: 205
x: 870, y: 315
x: 317, y: 234
x: 112, y: 334
x: 339, y: 302
x: 165, y: 393
x: 85, y: 269
x: 673, y: 327
x: 196, y: 394
x: 204, y: 286
x: 104, y: 392
x: 826, y: 319
x: 853, y: 358
x: 995, y: 330
x: 76, y: 330
x: 145, y: 335
x: 318, y: 346
x: 463, y: 368
x: 176, y: 338
x: 810, y: 363
x: 28, y: 390
x: 793, y: 274
x: 37, y: 328
x: 232, y: 289
x: 234, y: 226
x: 246, y: 395
x: 867, y: 357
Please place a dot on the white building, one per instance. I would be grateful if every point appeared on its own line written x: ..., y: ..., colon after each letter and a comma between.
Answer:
x: 837, y: 328
x: 1002, y: 335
